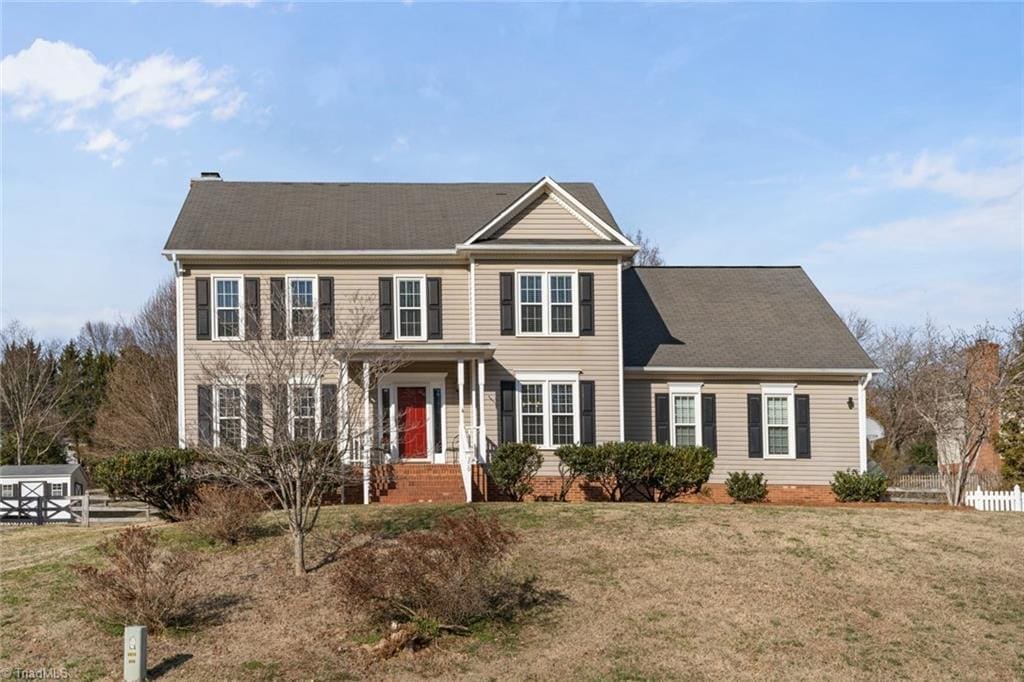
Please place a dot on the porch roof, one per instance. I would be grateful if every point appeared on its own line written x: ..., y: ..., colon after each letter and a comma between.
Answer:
x: 423, y: 350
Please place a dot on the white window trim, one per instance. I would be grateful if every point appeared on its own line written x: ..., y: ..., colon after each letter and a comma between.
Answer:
x: 241, y: 307
x: 546, y: 379
x: 545, y: 302
x: 422, y: 279
x: 4, y: 492
x: 779, y: 391
x: 694, y: 391
x: 308, y: 383
x: 216, y: 411
x: 429, y: 381
x: 316, y: 305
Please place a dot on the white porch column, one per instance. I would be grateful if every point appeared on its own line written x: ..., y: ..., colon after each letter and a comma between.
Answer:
x: 481, y: 434
x: 473, y: 433
x: 367, y: 432
x: 462, y: 409
x: 343, y: 425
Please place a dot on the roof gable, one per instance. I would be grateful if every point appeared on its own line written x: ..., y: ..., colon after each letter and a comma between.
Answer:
x: 547, y: 218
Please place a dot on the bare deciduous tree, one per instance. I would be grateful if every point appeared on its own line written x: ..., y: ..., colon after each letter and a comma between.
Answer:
x: 862, y: 329
x: 649, y: 253
x: 101, y: 336
x: 957, y: 385
x: 34, y: 396
x: 301, y: 432
x: 140, y: 408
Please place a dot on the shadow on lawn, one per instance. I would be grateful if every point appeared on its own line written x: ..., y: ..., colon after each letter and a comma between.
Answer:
x: 167, y: 665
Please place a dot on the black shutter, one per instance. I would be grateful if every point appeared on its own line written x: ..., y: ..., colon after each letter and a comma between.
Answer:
x: 586, y: 304
x: 203, y: 308
x: 661, y: 418
x: 328, y: 411
x: 326, y: 305
x: 588, y: 419
x: 252, y: 308
x: 708, y: 418
x: 278, y: 310
x: 508, y: 304
x: 385, y: 303
x: 205, y: 414
x: 755, y: 441
x: 253, y: 415
x: 507, y: 423
x: 434, y: 308
x: 803, y: 426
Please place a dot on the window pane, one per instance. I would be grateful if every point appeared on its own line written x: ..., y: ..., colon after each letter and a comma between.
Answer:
x: 533, y: 399
x: 533, y: 429
x: 530, y: 289
x: 230, y: 402
x: 562, y: 429
x: 227, y: 293
x: 686, y: 435
x: 409, y: 293
x: 685, y: 409
x: 561, y: 288
x: 227, y: 323
x: 304, y: 429
x: 532, y: 319
x: 304, y: 398
x: 409, y: 323
x: 561, y: 398
x: 561, y: 319
x: 302, y: 322
x: 302, y: 293
x: 778, y: 440
x: 778, y: 411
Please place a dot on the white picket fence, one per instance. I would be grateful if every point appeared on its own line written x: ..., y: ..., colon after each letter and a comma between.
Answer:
x: 996, y: 500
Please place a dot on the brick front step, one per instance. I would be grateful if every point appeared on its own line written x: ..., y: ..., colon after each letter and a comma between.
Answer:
x: 411, y: 483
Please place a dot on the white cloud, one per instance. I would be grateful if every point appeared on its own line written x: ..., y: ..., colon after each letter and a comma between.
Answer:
x: 225, y: 3
x: 68, y: 88
x: 231, y: 154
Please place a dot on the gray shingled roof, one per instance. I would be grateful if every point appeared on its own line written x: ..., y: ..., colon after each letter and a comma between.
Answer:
x: 37, y: 469
x: 737, y: 317
x: 318, y: 216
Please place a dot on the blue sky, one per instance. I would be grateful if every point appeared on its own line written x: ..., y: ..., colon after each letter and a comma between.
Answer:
x: 879, y: 146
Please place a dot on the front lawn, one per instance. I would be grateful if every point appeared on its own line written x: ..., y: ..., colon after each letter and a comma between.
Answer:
x: 642, y: 592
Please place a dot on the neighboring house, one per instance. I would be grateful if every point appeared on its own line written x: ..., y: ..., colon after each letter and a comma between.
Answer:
x: 520, y: 320
x: 27, y: 490
x: 982, y: 362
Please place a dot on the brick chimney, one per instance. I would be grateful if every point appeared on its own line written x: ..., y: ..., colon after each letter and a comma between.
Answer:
x: 983, y: 370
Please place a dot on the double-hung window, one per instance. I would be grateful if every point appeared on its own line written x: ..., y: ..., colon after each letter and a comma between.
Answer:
x: 228, y: 304
x: 303, y: 408
x: 228, y: 408
x: 547, y: 303
x: 685, y: 414
x: 779, y: 416
x: 411, y: 307
x: 548, y: 409
x: 302, y: 306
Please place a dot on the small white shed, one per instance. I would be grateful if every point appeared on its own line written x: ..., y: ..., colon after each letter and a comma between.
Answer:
x: 36, y: 493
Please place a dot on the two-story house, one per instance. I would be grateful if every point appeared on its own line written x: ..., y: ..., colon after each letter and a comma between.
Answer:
x: 518, y: 318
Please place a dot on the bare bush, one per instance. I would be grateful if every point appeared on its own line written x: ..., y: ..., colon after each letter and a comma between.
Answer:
x: 226, y: 514
x: 143, y: 585
x: 442, y: 579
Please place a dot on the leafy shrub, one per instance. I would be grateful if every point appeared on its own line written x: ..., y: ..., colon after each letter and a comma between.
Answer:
x: 573, y: 461
x: 144, y: 584
x: 652, y: 471
x: 442, y: 579
x: 162, y: 477
x: 853, y: 486
x: 513, y: 466
x: 744, y: 487
x: 226, y: 514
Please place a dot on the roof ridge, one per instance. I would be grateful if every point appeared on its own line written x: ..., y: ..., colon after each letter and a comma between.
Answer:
x: 717, y: 267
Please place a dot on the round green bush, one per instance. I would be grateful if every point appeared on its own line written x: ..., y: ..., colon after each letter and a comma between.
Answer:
x: 162, y: 477
x: 513, y: 466
x: 853, y: 486
x: 745, y: 488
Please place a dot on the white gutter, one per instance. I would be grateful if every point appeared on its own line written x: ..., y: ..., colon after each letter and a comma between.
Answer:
x: 179, y: 323
x: 585, y: 248
x: 749, y: 370
x: 172, y: 253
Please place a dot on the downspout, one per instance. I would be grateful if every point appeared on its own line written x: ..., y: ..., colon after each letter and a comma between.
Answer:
x: 179, y: 314
x: 862, y: 418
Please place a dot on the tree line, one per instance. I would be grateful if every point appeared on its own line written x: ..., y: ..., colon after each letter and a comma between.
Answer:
x: 111, y: 388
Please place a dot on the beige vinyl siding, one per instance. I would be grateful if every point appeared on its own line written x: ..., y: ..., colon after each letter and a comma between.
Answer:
x: 596, y: 357
x: 835, y: 430
x: 355, y: 290
x: 543, y: 219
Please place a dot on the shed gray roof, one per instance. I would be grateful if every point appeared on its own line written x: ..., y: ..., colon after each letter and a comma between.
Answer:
x: 320, y: 216
x: 38, y: 469
x: 732, y: 317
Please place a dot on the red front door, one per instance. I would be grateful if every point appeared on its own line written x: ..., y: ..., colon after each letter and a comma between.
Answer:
x: 412, y: 422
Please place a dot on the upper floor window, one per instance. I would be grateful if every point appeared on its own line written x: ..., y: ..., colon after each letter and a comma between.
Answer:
x: 302, y: 306
x: 547, y: 303
x: 779, y: 432
x: 228, y: 303
x: 410, y: 308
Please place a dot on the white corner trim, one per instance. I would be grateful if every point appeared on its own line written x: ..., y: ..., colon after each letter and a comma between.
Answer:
x: 179, y: 312
x: 622, y: 380
x: 862, y: 420
x: 472, y: 299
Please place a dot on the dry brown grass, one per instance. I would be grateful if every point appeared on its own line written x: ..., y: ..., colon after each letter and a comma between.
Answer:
x: 651, y: 592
